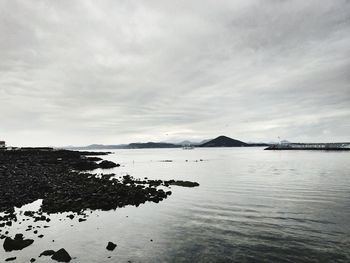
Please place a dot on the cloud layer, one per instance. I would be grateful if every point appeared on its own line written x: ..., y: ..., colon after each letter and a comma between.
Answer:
x: 80, y: 72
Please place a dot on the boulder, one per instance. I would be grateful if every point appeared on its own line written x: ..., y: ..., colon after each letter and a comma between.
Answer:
x: 16, y: 244
x: 19, y: 237
x: 183, y: 183
x: 107, y: 164
x: 111, y: 246
x: 61, y: 256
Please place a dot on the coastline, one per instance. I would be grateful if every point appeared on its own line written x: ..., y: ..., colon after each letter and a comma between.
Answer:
x: 62, y: 179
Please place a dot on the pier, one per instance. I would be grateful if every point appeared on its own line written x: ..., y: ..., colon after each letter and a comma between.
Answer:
x: 343, y: 146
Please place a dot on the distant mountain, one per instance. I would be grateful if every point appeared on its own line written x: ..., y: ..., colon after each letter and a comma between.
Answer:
x: 152, y: 145
x: 125, y: 146
x: 186, y: 143
x: 96, y: 147
x: 204, y: 141
x: 193, y: 143
x: 223, y: 141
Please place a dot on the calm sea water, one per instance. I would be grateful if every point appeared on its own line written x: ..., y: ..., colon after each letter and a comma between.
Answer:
x: 251, y: 206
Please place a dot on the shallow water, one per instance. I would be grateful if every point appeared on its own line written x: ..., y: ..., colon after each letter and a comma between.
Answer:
x: 251, y: 206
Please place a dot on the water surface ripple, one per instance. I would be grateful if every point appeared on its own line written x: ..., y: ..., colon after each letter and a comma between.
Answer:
x: 251, y: 206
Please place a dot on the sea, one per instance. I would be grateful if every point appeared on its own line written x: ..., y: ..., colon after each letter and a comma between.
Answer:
x: 251, y: 206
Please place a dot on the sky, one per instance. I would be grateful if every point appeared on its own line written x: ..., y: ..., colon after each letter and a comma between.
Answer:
x: 120, y: 71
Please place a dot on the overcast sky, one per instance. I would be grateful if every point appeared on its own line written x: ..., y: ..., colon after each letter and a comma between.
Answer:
x: 82, y: 72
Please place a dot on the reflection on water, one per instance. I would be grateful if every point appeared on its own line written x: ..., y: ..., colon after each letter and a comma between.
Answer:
x: 251, y: 206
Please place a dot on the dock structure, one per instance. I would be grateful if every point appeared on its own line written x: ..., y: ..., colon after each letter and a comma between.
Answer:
x: 342, y: 146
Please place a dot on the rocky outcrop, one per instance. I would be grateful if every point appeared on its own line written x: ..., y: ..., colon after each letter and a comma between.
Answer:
x: 47, y: 253
x: 61, y: 256
x: 107, y: 164
x: 16, y: 244
x: 52, y: 176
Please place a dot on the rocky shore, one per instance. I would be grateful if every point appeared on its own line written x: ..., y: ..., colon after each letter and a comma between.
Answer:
x: 61, y: 179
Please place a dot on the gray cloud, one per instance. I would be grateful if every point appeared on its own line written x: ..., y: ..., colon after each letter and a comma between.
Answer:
x: 79, y: 72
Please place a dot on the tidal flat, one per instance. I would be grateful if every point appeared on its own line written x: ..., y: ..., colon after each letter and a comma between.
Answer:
x: 59, y: 179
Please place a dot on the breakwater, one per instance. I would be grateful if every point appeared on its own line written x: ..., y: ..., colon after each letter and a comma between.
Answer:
x: 311, y: 146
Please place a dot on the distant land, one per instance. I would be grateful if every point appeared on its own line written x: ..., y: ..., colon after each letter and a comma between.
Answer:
x: 224, y: 141
x: 221, y: 141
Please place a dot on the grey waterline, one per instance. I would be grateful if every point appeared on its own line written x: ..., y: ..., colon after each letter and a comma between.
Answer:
x: 251, y: 206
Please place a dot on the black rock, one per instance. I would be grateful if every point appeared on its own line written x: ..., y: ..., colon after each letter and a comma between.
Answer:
x: 61, y: 256
x: 29, y: 213
x: 32, y: 260
x: 183, y: 183
x: 16, y: 244
x: 10, y: 259
x: 111, y: 246
x: 29, y: 175
x: 71, y: 216
x: 94, y: 159
x: 19, y: 237
x: 107, y: 164
x: 85, y: 166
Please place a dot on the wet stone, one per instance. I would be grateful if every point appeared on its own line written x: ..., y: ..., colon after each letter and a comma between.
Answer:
x: 111, y: 246
x: 61, y: 256
x: 16, y: 244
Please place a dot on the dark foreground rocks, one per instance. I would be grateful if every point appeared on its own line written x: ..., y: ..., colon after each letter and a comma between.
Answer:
x: 61, y: 256
x: 111, y: 246
x: 16, y: 244
x: 107, y: 164
x: 47, y: 253
x: 56, y: 177
x: 60, y: 180
x: 183, y: 183
x: 26, y: 176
